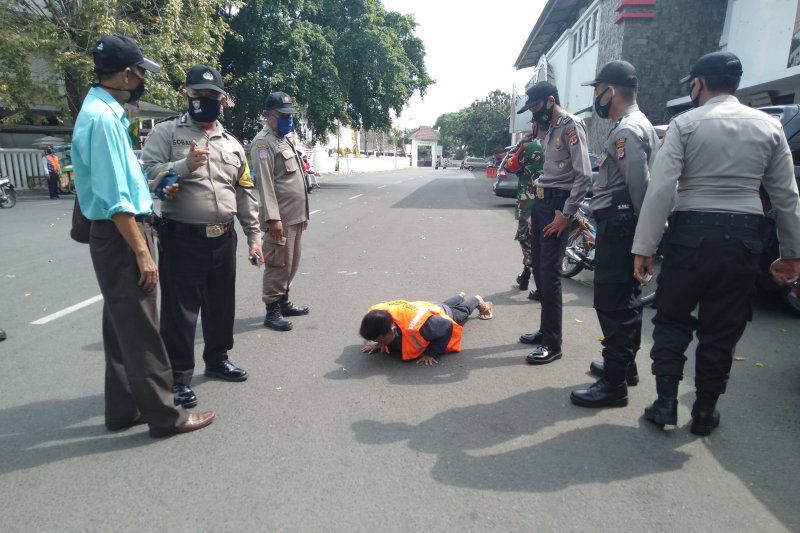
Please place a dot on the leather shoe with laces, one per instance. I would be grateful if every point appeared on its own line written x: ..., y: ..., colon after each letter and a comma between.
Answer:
x: 603, y: 393
x: 193, y: 423
x: 274, y: 319
x: 289, y: 309
x: 543, y: 355
x: 532, y: 338
x: 597, y: 368
x: 184, y: 395
x: 704, y: 422
x: 226, y: 370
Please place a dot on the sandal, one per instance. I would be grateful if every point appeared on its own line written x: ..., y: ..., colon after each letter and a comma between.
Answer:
x: 486, y: 312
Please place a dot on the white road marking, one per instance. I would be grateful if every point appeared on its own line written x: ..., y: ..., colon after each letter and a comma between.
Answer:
x: 356, y: 196
x: 382, y: 186
x: 68, y: 310
x: 314, y: 211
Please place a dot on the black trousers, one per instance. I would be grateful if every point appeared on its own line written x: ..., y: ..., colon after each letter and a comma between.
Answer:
x: 198, y: 275
x: 547, y: 253
x: 459, y: 308
x: 52, y: 184
x: 712, y: 268
x: 616, y: 293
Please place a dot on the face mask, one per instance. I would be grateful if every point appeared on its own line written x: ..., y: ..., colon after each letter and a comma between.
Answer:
x: 603, y: 110
x: 285, y: 125
x: 543, y: 116
x: 204, y: 109
x: 696, y: 99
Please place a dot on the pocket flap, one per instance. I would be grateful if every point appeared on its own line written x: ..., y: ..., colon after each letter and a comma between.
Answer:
x: 231, y: 158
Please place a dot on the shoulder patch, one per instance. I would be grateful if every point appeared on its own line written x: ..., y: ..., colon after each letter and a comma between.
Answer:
x: 619, y: 145
x: 166, y: 119
x: 263, y: 153
x: 572, y: 134
x: 246, y: 180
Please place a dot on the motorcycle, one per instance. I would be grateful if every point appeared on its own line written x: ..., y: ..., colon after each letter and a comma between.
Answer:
x: 579, y: 254
x: 8, y: 196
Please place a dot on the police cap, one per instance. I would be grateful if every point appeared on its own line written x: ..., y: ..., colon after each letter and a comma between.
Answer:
x: 280, y: 102
x: 716, y: 64
x: 620, y: 73
x: 203, y: 77
x: 538, y: 91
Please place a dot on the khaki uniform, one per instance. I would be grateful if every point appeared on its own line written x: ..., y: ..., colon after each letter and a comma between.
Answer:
x: 283, y: 196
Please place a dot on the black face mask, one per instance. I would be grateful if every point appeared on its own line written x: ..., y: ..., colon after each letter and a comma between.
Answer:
x: 543, y: 116
x: 204, y: 109
x: 137, y: 92
x: 603, y: 110
x: 696, y: 99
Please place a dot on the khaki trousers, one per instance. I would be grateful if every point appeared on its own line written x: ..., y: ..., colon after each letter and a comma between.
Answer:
x: 138, y: 373
x: 281, y: 261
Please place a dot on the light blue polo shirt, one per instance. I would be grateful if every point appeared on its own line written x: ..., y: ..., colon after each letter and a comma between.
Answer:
x: 108, y: 177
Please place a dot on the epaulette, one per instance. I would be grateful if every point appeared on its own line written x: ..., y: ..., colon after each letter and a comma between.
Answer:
x: 166, y: 119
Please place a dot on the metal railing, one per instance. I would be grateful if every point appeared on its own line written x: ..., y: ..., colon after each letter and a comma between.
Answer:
x: 19, y: 163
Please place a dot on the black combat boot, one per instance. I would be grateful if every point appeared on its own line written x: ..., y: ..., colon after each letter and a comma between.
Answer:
x: 524, y: 278
x: 705, y: 416
x: 608, y: 391
x: 274, y: 319
x: 665, y: 409
x: 631, y: 376
x: 289, y: 309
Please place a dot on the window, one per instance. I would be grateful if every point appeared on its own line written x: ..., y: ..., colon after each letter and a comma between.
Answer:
x: 586, y: 33
x: 574, y: 44
x: 595, y: 16
x: 580, y: 39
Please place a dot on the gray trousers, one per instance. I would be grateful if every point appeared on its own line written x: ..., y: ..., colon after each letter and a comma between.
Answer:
x: 138, y: 373
x: 281, y: 261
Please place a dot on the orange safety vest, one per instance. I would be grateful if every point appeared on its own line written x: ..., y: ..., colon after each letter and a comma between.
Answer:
x: 53, y: 159
x: 409, y: 317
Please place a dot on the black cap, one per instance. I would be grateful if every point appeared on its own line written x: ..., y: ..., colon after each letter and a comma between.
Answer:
x: 115, y: 53
x: 202, y: 77
x: 716, y: 64
x: 538, y: 91
x: 619, y: 73
x: 280, y: 102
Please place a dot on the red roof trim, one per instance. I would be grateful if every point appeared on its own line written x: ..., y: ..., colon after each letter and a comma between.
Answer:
x: 624, y: 3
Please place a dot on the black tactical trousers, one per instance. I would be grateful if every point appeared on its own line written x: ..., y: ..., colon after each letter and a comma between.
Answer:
x: 547, y: 253
x: 198, y: 275
x: 616, y: 293
x: 711, y: 261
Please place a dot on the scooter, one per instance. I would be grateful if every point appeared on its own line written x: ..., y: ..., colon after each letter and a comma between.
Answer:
x: 8, y: 196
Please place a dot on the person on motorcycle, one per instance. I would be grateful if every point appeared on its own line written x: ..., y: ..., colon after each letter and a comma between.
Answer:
x: 625, y: 163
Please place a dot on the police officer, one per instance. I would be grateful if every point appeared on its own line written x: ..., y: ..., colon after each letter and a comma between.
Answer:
x: 197, y: 241
x: 717, y: 155
x: 559, y: 191
x: 284, y: 207
x: 625, y: 163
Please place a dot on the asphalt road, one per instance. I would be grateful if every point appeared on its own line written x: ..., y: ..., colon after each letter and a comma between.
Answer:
x: 325, y: 438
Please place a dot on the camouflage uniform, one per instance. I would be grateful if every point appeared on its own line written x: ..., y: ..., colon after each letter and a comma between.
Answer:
x: 532, y: 166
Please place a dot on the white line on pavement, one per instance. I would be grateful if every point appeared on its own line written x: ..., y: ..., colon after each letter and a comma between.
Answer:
x: 68, y: 310
x: 314, y: 211
x: 382, y: 186
x: 356, y: 196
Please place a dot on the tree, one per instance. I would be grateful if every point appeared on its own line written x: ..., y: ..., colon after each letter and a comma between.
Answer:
x: 45, y: 50
x: 347, y: 61
x: 481, y: 128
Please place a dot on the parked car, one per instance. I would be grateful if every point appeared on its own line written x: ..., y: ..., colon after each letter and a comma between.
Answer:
x: 472, y: 163
x: 507, y: 182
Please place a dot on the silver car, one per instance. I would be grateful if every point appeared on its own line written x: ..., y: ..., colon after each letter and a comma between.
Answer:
x: 472, y: 163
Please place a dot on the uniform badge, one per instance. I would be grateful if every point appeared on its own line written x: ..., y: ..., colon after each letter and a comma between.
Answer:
x: 619, y: 144
x: 207, y: 75
x: 245, y: 180
x: 558, y: 143
x: 573, y: 136
x: 263, y: 154
x: 600, y: 159
x: 562, y: 164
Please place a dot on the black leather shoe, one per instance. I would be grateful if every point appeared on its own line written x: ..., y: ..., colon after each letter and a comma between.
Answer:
x: 704, y: 422
x: 288, y: 309
x: 226, y: 370
x: 184, y: 395
x: 597, y: 368
x: 601, y: 394
x: 523, y: 279
x: 119, y: 426
x: 534, y: 295
x: 532, y: 338
x: 274, y: 319
x: 543, y: 355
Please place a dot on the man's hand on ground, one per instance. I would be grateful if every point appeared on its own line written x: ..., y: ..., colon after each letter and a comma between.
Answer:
x: 427, y: 360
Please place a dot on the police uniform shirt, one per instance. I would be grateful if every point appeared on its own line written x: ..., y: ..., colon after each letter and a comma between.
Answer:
x: 718, y: 154
x: 213, y: 193
x: 626, y: 160
x: 566, y: 160
x: 281, y: 184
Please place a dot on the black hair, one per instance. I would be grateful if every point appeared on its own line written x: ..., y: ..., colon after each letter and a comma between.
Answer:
x: 375, y: 324
x: 722, y: 83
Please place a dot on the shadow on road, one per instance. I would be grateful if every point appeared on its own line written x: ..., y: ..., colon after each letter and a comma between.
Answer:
x: 49, y: 431
x: 585, y: 455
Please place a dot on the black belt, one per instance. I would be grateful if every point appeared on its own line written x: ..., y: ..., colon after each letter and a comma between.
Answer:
x: 712, y: 218
x: 199, y: 230
x: 543, y: 193
x: 147, y: 219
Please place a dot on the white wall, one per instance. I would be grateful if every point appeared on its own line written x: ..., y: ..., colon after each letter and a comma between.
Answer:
x: 760, y: 32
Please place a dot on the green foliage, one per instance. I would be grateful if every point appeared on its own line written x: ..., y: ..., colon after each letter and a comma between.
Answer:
x: 343, y: 61
x: 480, y: 128
x: 45, y: 49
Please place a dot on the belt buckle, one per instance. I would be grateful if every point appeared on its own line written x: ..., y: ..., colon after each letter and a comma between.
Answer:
x: 540, y: 193
x: 214, y: 230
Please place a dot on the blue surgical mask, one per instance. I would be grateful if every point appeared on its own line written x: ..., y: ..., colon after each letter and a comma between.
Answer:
x: 285, y: 125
